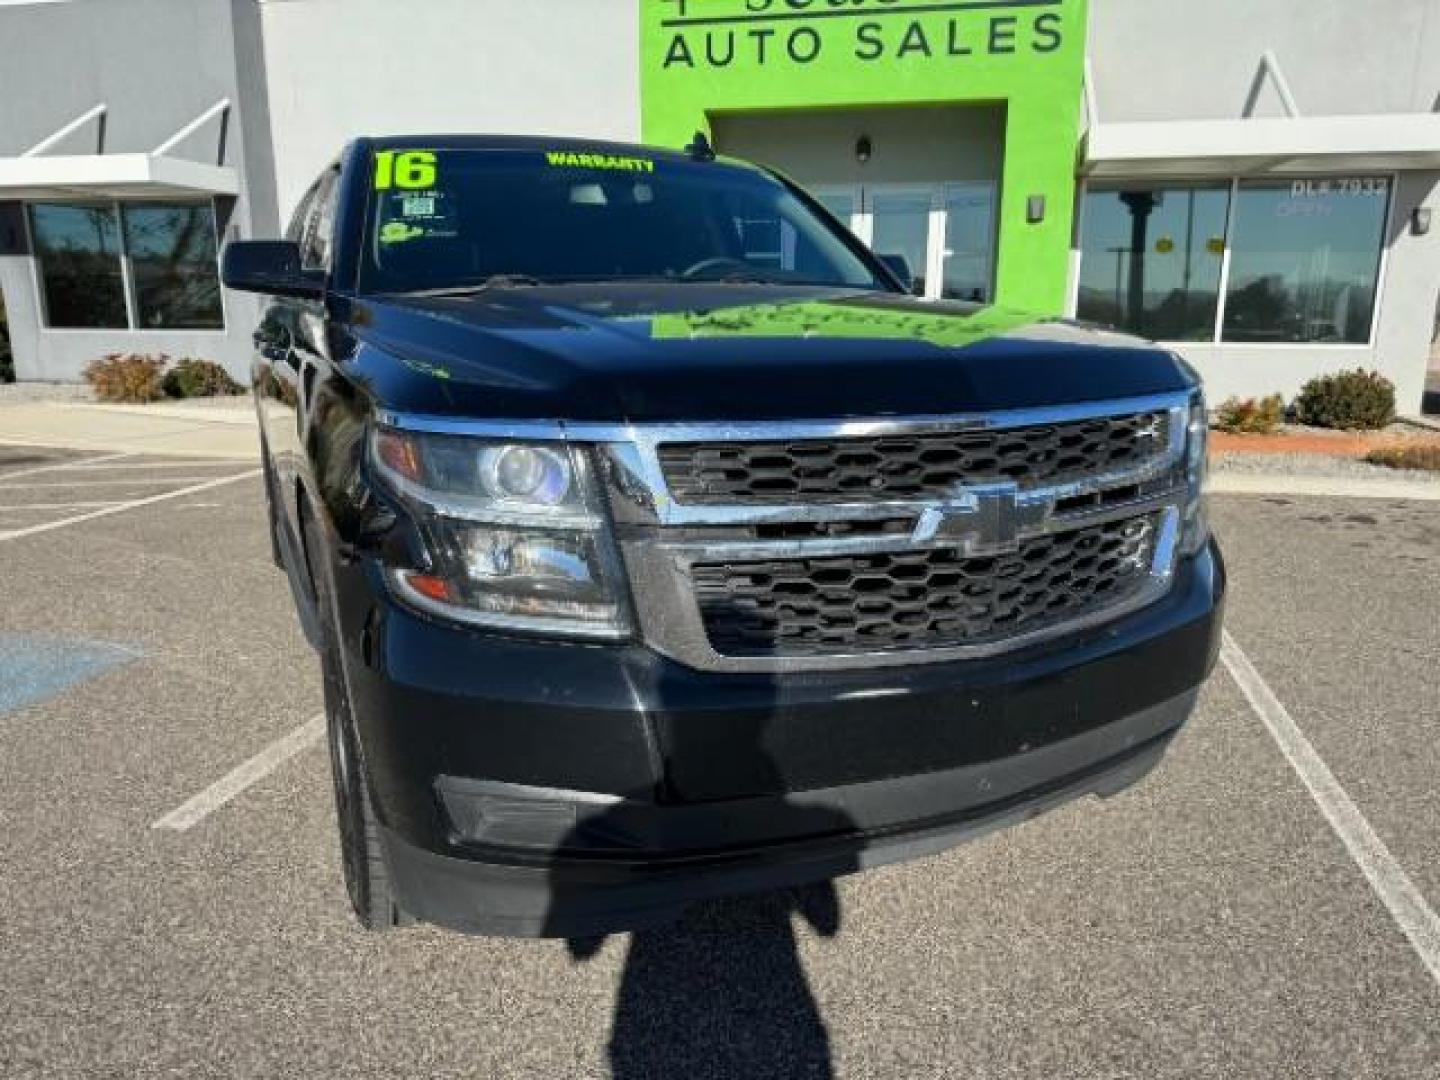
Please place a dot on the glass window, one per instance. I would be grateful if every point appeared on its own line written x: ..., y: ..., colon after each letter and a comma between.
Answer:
x: 1306, y: 260
x: 315, y: 249
x: 295, y: 231
x: 1151, y: 260
x: 78, y: 250
x: 172, y: 264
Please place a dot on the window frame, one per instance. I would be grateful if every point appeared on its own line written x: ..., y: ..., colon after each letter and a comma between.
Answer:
x: 127, y: 274
x: 1232, y: 186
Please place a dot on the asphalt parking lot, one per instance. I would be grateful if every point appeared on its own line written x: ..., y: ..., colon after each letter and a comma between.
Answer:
x: 1261, y: 906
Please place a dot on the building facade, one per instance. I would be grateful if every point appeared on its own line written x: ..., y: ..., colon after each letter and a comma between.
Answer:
x: 1252, y: 183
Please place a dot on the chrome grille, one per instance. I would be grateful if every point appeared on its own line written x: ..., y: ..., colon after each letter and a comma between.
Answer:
x: 921, y: 599
x: 706, y: 576
x: 905, y: 466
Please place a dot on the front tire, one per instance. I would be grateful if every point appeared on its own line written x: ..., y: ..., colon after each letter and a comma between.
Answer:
x: 362, y: 859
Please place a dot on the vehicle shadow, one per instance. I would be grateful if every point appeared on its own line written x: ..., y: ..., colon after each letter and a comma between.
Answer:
x: 720, y: 991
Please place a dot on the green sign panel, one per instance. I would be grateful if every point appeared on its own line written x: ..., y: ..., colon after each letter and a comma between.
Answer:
x: 700, y: 58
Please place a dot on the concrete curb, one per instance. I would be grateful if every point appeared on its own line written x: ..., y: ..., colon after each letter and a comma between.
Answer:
x: 207, y: 414
x: 1336, y: 487
x: 1426, y: 423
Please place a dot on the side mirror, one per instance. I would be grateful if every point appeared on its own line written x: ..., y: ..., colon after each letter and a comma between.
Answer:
x: 269, y: 266
x: 900, y: 267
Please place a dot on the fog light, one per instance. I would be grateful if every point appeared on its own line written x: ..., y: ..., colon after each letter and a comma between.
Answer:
x: 486, y: 819
x: 517, y: 815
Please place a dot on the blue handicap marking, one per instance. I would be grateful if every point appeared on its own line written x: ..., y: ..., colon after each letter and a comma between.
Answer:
x: 33, y: 668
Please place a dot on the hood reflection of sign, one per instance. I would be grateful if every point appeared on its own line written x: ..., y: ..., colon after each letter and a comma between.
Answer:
x: 801, y: 32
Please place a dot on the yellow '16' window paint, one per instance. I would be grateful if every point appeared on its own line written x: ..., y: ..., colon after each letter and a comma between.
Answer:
x: 408, y: 169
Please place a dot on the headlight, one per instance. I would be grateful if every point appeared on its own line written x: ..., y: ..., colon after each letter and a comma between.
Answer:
x: 526, y: 474
x: 1195, y: 531
x: 513, y: 531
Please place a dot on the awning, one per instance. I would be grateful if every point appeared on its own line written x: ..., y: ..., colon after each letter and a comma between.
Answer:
x: 38, y: 174
x: 109, y: 176
x: 1289, y: 146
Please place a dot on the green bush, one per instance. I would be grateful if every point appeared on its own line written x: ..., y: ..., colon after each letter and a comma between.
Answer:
x: 1424, y: 456
x: 127, y: 377
x: 1247, y: 416
x: 1351, y: 400
x: 200, y: 378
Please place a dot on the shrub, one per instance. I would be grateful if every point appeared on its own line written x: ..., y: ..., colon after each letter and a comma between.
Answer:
x: 1251, y: 417
x: 126, y: 377
x: 199, y: 378
x: 1350, y: 400
x: 1424, y: 456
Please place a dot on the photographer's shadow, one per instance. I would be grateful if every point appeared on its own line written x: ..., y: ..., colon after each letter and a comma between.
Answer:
x: 720, y: 991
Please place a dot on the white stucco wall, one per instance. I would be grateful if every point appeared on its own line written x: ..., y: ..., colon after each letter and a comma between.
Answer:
x: 1198, y: 61
x: 342, y: 68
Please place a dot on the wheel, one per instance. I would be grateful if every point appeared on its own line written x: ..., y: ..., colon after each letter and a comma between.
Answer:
x: 362, y: 859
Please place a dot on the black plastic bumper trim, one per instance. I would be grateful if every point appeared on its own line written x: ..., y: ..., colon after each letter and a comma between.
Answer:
x: 571, y: 897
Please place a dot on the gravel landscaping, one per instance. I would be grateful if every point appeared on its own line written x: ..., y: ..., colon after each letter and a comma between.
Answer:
x: 1314, y: 465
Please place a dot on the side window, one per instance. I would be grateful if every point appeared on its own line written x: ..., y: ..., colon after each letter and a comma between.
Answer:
x: 296, y: 229
x: 319, y: 230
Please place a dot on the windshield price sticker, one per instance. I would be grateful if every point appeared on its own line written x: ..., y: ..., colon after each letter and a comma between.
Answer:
x: 411, y: 215
x: 616, y: 162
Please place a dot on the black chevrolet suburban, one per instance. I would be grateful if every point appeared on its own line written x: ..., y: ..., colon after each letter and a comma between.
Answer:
x: 658, y: 545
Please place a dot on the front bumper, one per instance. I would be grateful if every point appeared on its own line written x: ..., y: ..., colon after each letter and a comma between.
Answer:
x: 529, y: 788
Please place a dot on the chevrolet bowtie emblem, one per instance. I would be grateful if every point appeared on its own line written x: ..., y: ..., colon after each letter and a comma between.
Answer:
x: 982, y: 518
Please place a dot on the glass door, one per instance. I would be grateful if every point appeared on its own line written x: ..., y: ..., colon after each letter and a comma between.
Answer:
x: 968, y: 256
x: 946, y: 232
x: 900, y: 223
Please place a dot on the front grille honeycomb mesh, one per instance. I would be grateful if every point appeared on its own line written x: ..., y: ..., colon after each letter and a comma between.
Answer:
x: 898, y: 467
x: 923, y: 599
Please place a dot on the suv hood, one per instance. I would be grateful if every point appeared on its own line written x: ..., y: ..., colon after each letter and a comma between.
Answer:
x: 695, y: 352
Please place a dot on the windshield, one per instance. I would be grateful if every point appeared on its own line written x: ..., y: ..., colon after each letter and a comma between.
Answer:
x: 455, y: 218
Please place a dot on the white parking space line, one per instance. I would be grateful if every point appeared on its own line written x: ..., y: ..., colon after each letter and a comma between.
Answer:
x: 117, y: 481
x: 53, y: 466
x: 59, y: 505
x: 1406, y: 904
x: 130, y: 466
x: 120, y: 508
x: 237, y: 780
